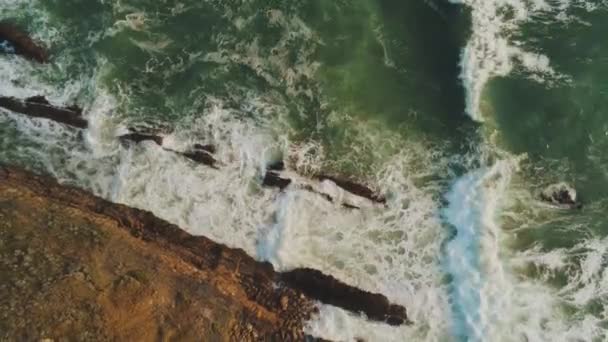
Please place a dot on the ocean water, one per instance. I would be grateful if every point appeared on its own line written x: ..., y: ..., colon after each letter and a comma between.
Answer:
x: 460, y: 112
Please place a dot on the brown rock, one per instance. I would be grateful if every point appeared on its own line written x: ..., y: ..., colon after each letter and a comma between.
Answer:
x: 131, y: 275
x: 117, y: 273
x: 22, y: 43
x: 201, y: 157
x: 207, y: 148
x: 354, y: 188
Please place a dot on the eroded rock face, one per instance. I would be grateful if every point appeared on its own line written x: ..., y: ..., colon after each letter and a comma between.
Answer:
x: 272, y: 179
x: 13, y: 40
x: 76, y: 266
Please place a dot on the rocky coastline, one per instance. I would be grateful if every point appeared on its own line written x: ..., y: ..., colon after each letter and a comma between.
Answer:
x: 77, y: 266
x: 74, y: 266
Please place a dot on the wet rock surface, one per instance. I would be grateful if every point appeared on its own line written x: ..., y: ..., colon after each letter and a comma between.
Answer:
x: 332, y: 291
x: 273, y: 179
x: 141, y: 137
x: 39, y: 107
x: 354, y: 188
x: 75, y: 266
x: 14, y: 40
x: 201, y: 157
x: 561, y: 195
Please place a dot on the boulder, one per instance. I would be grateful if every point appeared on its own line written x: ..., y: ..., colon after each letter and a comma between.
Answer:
x: 561, y: 195
x: 13, y: 40
x: 139, y: 137
x: 272, y: 179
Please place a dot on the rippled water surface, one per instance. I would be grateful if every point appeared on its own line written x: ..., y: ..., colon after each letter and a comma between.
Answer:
x: 461, y: 113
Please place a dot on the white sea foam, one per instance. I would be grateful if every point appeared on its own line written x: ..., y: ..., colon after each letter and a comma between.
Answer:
x: 394, y: 250
x: 490, y: 52
x: 479, y: 288
x: 492, y: 296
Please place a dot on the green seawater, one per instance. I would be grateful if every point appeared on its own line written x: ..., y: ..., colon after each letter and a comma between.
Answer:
x: 368, y: 89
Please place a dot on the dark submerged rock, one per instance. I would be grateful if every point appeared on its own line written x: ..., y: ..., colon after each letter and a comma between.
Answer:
x: 139, y: 137
x: 207, y: 148
x: 13, y: 40
x: 199, y: 153
x: 561, y: 195
x: 38, y: 106
x: 272, y: 179
x: 329, y: 290
x: 354, y: 188
x: 200, y: 156
x: 276, y: 166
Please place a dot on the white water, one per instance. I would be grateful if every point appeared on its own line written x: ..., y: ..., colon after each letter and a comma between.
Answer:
x: 394, y: 250
x: 391, y: 250
x: 490, y: 297
x: 479, y: 291
x: 491, y: 53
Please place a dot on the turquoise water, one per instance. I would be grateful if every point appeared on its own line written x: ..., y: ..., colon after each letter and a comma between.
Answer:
x: 461, y: 113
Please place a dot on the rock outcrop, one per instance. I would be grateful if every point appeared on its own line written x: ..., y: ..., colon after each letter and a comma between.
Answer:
x: 561, y: 195
x: 39, y: 107
x: 13, y: 40
x: 332, y: 291
x: 198, y: 153
x: 76, y: 266
x: 141, y: 137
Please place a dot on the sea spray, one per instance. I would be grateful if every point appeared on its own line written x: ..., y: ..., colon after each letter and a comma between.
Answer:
x: 391, y: 249
x: 490, y: 53
x: 472, y: 256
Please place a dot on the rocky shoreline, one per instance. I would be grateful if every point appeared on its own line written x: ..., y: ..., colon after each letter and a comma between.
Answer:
x: 77, y: 266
